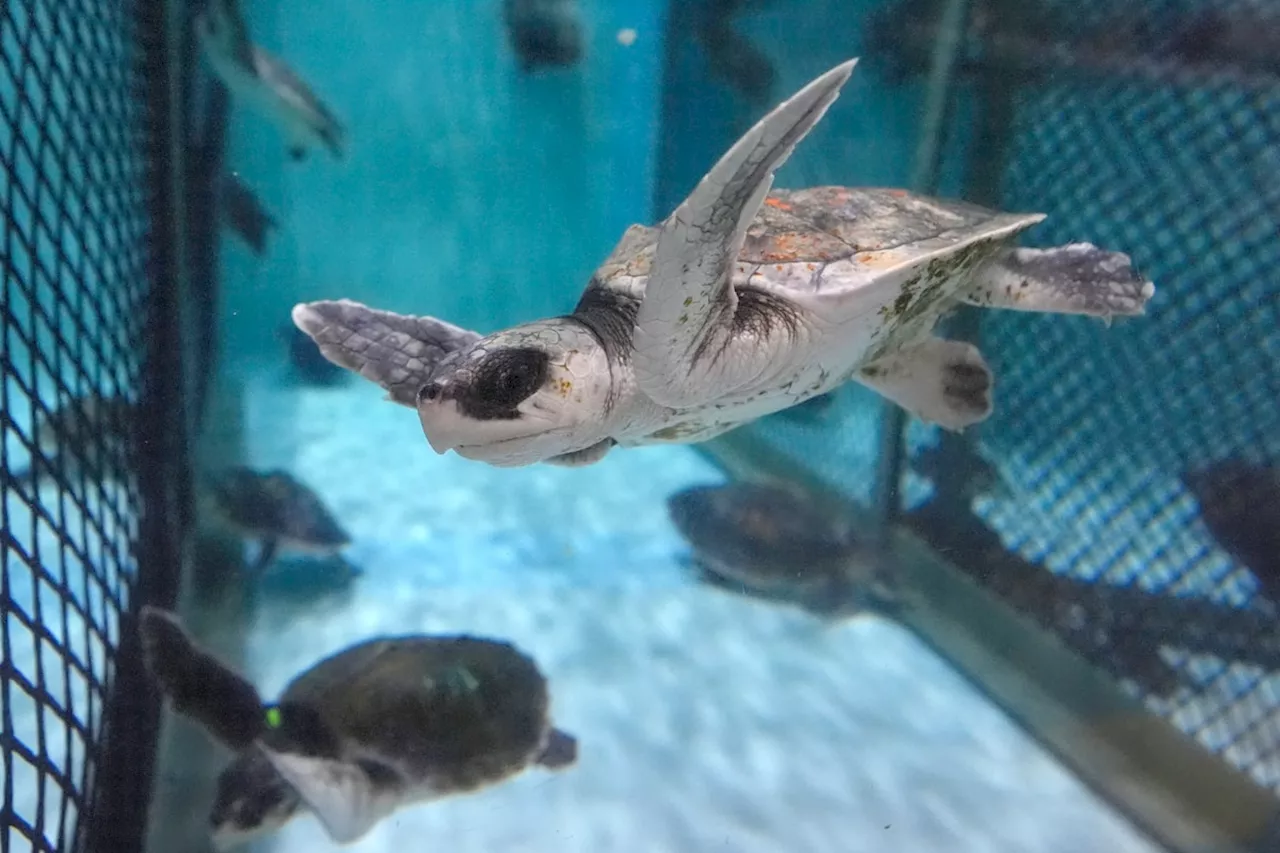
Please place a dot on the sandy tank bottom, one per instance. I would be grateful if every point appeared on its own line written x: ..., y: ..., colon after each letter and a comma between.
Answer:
x: 706, y: 721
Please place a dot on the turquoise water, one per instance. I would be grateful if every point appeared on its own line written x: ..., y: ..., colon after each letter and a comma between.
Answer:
x: 705, y: 721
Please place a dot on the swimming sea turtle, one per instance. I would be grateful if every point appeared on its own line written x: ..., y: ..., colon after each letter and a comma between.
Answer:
x: 741, y: 303
x: 776, y: 543
x: 278, y: 510
x: 262, y: 82
x: 378, y: 726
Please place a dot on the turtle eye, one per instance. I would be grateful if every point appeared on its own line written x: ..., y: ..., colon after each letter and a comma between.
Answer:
x: 503, y: 381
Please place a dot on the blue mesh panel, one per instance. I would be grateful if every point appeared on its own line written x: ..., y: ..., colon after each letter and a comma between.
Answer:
x: 77, y: 267
x: 1139, y: 143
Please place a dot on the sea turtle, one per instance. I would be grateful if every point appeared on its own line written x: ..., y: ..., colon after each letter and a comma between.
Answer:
x: 277, y: 510
x: 775, y: 542
x: 262, y: 82
x: 740, y: 304
x: 383, y: 724
x: 91, y: 433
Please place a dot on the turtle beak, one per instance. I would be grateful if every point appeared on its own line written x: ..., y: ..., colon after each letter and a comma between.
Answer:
x: 442, y: 421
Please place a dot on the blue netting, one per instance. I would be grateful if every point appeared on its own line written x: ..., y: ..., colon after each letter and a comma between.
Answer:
x: 77, y: 263
x: 1136, y: 142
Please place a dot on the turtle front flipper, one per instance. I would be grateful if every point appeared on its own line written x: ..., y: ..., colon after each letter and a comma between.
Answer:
x: 686, y: 351
x: 943, y: 382
x: 1078, y: 278
x: 346, y: 799
x: 397, y: 351
x: 197, y: 683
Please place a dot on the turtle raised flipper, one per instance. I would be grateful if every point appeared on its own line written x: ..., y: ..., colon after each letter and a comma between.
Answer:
x: 198, y: 684
x: 1078, y: 278
x: 397, y: 351
x: 688, y: 317
x: 341, y: 793
x: 943, y: 382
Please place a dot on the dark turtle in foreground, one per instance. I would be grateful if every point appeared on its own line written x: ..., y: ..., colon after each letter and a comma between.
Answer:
x: 745, y: 300
x: 277, y: 510
x: 776, y: 543
x: 381, y: 725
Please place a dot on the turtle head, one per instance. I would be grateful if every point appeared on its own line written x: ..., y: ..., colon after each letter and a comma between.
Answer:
x: 252, y: 799
x: 519, y: 396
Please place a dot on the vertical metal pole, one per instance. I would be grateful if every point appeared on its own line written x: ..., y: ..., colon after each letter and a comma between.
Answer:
x: 924, y: 178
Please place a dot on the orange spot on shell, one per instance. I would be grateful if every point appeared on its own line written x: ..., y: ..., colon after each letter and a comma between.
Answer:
x: 778, y: 203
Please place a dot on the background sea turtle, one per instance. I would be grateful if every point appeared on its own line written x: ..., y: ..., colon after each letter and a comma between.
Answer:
x: 263, y: 83
x: 741, y: 303
x: 380, y: 725
x: 777, y: 543
x: 91, y: 434
x: 277, y: 510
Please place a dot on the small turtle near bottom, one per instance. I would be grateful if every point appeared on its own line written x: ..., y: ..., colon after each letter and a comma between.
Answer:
x: 379, y: 726
x: 277, y: 510
x: 776, y: 543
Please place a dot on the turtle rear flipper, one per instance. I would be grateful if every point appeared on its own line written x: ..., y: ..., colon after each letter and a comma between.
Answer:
x: 396, y: 351
x: 198, y: 684
x: 943, y: 382
x: 1078, y: 278
x: 560, y: 750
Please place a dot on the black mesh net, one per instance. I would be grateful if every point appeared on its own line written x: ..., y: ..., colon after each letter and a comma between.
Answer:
x: 1126, y: 493
x: 80, y: 267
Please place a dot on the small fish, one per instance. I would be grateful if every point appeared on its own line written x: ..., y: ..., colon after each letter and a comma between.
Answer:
x: 263, y: 83
x: 245, y: 214
x: 1240, y: 504
x: 277, y: 510
x: 775, y: 543
x: 543, y: 32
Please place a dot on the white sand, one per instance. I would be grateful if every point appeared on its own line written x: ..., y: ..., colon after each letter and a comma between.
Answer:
x: 706, y: 721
